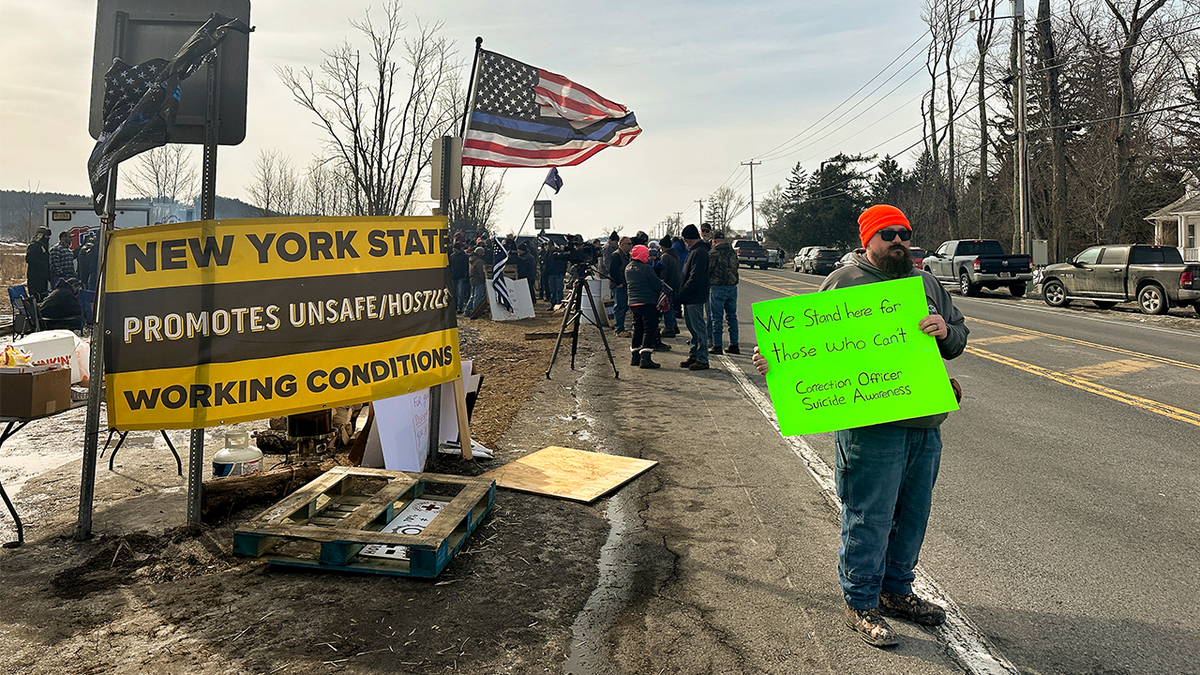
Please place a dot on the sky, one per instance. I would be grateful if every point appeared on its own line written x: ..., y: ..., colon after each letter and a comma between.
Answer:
x: 713, y: 84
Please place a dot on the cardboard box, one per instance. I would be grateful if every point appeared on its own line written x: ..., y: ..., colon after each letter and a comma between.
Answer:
x: 34, y: 391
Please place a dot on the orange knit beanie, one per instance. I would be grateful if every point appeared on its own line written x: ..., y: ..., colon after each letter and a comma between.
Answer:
x: 878, y: 217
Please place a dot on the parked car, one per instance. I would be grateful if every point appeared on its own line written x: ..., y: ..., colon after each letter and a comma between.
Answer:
x: 1153, y: 276
x: 821, y: 260
x: 750, y: 253
x: 798, y: 261
x: 918, y: 255
x: 979, y: 263
x: 843, y: 261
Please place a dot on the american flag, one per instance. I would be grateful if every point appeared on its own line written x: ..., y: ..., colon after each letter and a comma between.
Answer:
x: 526, y: 116
x: 498, y: 282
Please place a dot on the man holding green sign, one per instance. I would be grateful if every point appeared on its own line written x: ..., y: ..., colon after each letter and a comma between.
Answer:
x: 865, y: 359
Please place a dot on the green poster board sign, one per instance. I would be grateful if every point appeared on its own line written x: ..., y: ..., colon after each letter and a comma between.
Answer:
x: 851, y: 357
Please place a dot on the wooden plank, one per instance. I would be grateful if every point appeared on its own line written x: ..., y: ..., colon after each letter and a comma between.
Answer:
x: 568, y: 473
x: 382, y: 501
x: 540, y: 335
x: 463, y: 419
x: 302, y: 498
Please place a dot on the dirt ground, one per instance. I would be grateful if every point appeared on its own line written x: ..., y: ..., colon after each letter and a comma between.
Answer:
x: 148, y: 595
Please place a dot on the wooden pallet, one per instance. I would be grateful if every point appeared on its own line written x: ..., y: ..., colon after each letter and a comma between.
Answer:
x: 326, y: 524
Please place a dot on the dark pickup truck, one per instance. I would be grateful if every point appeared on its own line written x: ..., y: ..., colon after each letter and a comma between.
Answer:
x: 979, y: 263
x: 1154, y: 276
x: 751, y: 253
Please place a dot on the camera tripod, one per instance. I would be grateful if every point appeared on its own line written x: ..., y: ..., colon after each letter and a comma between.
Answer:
x: 573, y: 315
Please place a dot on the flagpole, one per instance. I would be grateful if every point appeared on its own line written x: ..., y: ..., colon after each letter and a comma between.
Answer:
x: 531, y: 205
x: 471, y: 88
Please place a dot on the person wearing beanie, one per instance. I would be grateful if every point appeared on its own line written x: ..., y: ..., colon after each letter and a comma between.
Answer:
x: 477, y: 275
x: 885, y: 473
x: 606, y: 254
x: 37, y: 261
x: 670, y: 270
x: 616, y: 276
x: 722, y: 294
x: 643, y: 286
x: 460, y: 268
x: 693, y: 295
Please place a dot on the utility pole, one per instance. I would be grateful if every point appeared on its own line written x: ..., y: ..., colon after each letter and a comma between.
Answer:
x: 753, y: 227
x: 1022, y: 127
x: 1021, y: 102
x: 701, y: 203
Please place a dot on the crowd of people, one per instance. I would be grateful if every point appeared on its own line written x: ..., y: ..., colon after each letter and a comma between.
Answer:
x: 56, y: 274
x: 692, y: 277
x: 696, y: 275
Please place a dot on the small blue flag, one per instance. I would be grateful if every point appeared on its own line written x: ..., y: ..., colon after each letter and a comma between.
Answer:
x: 554, y: 180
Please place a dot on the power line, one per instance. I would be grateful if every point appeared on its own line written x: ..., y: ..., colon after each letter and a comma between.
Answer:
x: 767, y: 154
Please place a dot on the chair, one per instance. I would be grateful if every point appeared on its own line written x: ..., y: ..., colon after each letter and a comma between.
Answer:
x: 86, y: 298
x: 22, y: 322
x: 31, y: 321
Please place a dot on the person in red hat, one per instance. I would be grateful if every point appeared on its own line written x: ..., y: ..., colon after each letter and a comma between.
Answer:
x: 885, y: 472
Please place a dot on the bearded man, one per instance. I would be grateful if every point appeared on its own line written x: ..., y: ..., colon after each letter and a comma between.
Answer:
x: 885, y: 472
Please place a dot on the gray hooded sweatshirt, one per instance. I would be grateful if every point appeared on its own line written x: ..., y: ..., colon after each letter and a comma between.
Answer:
x: 862, y: 271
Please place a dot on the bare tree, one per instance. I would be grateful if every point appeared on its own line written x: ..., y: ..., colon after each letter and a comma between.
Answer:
x: 274, y: 190
x: 478, y: 208
x: 946, y: 19
x: 380, y: 118
x: 1058, y: 133
x: 165, y: 174
x: 723, y: 206
x: 1132, y: 24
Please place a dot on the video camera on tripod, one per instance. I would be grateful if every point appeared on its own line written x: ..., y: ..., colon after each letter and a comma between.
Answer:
x: 580, y: 254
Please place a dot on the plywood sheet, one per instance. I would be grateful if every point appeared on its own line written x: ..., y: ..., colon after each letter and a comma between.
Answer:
x: 567, y: 473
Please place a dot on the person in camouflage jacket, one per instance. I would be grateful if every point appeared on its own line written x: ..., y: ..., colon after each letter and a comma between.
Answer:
x: 722, y: 302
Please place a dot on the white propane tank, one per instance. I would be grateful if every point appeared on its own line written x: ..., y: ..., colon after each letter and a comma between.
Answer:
x: 238, y: 457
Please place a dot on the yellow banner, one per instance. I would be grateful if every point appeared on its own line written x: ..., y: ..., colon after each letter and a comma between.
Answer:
x: 225, y: 251
x: 224, y: 393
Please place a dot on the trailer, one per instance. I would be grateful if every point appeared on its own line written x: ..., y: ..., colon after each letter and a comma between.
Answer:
x: 78, y: 218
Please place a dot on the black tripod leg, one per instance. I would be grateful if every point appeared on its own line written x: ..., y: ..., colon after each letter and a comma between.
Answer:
x: 592, y: 302
x: 568, y: 312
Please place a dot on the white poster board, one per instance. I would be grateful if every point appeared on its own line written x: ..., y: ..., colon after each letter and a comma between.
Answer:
x: 400, y: 435
x: 518, y: 293
x: 397, y: 440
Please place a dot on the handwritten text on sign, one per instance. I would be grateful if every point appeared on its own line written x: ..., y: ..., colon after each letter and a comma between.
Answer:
x: 851, y: 357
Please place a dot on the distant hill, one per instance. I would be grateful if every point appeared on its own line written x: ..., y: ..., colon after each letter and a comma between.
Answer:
x: 22, y: 211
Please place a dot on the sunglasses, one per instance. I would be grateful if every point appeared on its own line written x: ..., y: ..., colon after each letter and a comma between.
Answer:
x: 890, y: 235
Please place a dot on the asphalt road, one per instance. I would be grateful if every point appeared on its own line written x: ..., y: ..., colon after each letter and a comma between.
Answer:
x: 1066, y: 519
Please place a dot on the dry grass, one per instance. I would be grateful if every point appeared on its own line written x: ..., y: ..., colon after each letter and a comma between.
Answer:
x: 12, y: 273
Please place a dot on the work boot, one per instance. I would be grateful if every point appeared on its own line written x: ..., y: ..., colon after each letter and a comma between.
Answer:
x: 637, y: 358
x: 872, y: 628
x: 716, y: 349
x: 687, y: 363
x: 662, y: 347
x: 647, y: 362
x: 698, y: 365
x: 911, y: 607
x: 732, y: 349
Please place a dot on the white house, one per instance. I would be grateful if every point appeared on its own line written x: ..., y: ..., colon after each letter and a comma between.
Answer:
x: 1184, y: 215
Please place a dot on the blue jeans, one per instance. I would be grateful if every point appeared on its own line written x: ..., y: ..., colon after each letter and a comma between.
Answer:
x: 722, y: 300
x: 620, y: 307
x: 478, y: 295
x: 697, y: 325
x: 554, y: 289
x: 462, y: 293
x: 885, y: 476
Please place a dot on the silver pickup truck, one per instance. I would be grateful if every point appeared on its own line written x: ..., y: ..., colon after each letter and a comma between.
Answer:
x: 1154, y: 276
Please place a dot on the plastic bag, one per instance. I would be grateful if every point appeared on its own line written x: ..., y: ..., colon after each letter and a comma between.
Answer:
x: 11, y: 356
